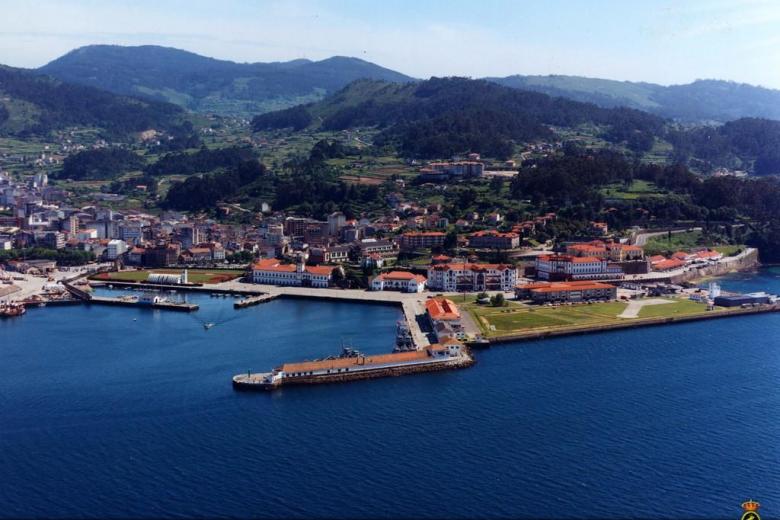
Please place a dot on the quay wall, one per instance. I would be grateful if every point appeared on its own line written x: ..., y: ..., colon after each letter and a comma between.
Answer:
x: 367, y: 374
x: 629, y: 324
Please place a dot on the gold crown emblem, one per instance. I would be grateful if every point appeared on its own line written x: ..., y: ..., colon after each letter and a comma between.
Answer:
x: 750, y: 505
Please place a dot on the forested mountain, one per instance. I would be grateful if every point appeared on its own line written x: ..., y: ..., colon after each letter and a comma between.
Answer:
x: 443, y: 116
x: 700, y: 101
x: 33, y: 104
x: 749, y: 144
x: 210, y: 85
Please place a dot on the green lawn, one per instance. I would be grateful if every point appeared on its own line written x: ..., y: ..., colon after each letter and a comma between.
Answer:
x: 637, y: 189
x: 678, y: 308
x: 687, y: 241
x: 517, y: 318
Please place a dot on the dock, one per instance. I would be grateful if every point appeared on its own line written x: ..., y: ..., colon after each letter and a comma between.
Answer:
x: 133, y: 302
x: 254, y: 300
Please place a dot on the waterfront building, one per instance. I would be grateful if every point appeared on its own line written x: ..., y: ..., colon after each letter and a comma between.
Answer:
x: 668, y: 264
x: 399, y: 281
x: 445, y: 319
x: 568, y: 267
x: 272, y: 271
x: 575, y: 291
x: 462, y: 277
x: 422, y: 239
x: 492, y: 239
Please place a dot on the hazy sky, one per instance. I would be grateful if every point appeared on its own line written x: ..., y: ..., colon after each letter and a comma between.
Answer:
x: 642, y: 40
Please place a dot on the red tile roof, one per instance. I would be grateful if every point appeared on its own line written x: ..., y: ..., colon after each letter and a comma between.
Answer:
x: 401, y: 275
x: 442, y: 309
x: 565, y: 286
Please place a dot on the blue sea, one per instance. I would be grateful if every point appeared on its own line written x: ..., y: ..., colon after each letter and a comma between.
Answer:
x: 124, y: 412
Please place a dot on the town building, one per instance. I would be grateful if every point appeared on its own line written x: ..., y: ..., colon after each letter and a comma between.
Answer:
x: 421, y: 239
x: 470, y: 277
x: 492, y: 239
x: 575, y: 291
x: 399, y: 281
x: 330, y: 254
x: 568, y: 267
x: 612, y: 251
x: 441, y: 171
x: 115, y: 249
x: 271, y: 271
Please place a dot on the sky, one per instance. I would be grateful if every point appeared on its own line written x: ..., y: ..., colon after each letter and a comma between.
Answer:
x: 667, y: 42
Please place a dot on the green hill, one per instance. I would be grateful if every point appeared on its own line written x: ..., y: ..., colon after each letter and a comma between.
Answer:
x: 209, y: 85
x: 34, y: 104
x: 700, y: 101
x: 443, y: 116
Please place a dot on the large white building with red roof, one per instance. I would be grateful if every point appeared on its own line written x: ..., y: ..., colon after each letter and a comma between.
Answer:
x: 462, y: 277
x: 399, y: 281
x: 568, y: 267
x: 272, y: 272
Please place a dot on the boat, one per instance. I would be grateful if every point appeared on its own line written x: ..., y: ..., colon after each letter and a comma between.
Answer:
x: 208, y: 325
x: 353, y: 365
x: 403, y: 337
x: 11, y: 310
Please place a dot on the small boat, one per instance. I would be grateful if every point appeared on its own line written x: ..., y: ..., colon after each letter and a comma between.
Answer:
x: 12, y: 310
x: 207, y: 326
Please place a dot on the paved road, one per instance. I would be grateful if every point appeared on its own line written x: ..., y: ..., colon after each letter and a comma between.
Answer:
x: 641, y: 238
x: 634, y: 306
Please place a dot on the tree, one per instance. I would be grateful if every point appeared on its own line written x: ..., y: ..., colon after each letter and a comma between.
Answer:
x: 497, y: 300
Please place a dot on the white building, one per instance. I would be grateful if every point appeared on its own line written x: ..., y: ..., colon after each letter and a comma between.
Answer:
x: 568, y: 267
x: 115, y: 249
x: 399, y: 281
x: 271, y: 271
x: 460, y: 277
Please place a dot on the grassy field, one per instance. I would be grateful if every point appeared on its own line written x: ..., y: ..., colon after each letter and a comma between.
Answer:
x: 205, y: 276
x: 687, y: 241
x: 638, y: 189
x: 678, y: 308
x: 517, y: 318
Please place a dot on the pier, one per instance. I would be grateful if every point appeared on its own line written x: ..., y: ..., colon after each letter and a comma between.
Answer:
x: 254, y: 300
x: 135, y: 302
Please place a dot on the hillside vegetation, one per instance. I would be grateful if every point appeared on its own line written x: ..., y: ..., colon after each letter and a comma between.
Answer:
x: 700, y: 101
x: 33, y: 104
x: 444, y: 116
x: 210, y: 85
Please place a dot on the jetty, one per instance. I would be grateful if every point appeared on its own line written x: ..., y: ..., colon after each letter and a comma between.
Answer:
x: 132, y: 301
x: 254, y: 300
x: 353, y: 365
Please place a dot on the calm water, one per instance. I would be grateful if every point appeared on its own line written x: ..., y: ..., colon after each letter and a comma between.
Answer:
x: 127, y: 412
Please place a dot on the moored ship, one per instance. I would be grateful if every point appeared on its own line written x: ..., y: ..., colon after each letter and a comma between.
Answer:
x: 10, y: 310
x: 353, y: 365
